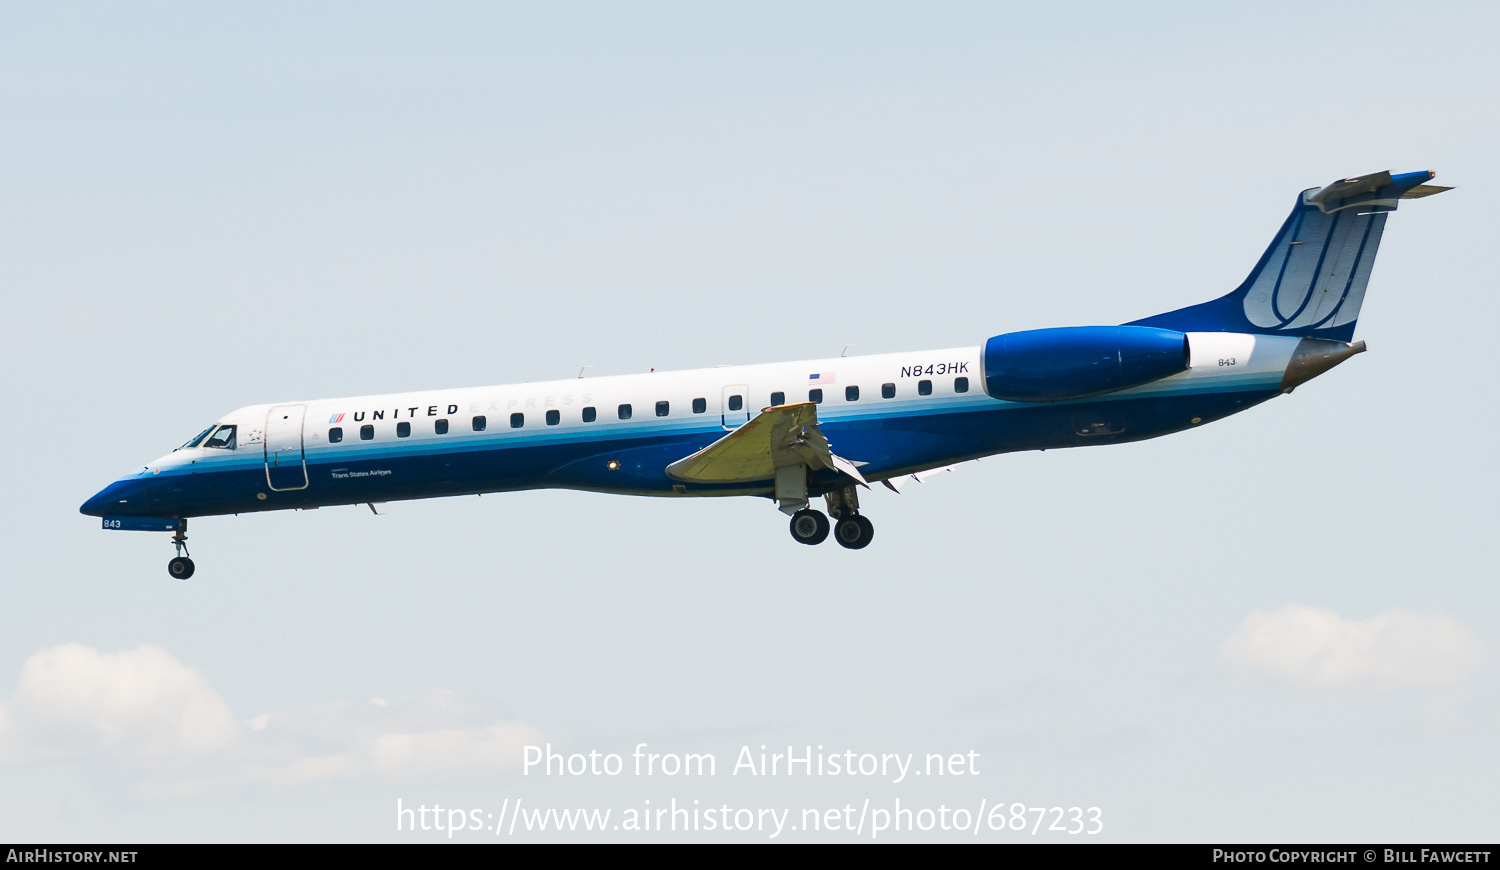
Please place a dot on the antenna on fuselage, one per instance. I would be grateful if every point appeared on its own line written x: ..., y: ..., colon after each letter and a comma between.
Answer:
x: 846, y: 350
x: 582, y: 370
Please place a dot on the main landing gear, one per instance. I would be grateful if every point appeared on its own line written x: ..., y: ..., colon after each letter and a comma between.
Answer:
x: 852, y: 530
x: 809, y: 526
x: 181, y: 567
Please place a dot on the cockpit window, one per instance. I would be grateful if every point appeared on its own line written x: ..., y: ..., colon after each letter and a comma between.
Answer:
x: 222, y: 439
x: 193, y: 442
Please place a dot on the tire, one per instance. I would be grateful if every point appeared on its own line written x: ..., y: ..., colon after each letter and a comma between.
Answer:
x: 809, y: 527
x: 181, y: 568
x: 854, y: 533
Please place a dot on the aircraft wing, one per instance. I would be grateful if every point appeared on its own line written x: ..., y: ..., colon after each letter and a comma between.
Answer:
x: 779, y: 437
x: 895, y: 484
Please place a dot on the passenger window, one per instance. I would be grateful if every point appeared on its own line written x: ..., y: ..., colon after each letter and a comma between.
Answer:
x: 887, y: 391
x: 815, y: 395
x: 851, y: 394
x: 367, y: 432
x: 403, y: 429
x: 479, y: 423
x: 589, y: 414
x: 736, y: 403
x: 440, y: 426
x: 960, y: 385
x: 554, y: 417
x: 700, y: 405
x: 223, y: 439
x: 778, y: 398
x: 663, y: 408
x: 517, y: 420
x: 335, y: 435
x: 924, y: 388
x: 624, y: 412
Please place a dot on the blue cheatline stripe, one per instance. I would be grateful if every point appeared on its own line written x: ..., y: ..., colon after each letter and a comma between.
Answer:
x: 708, y: 428
x: 893, y: 443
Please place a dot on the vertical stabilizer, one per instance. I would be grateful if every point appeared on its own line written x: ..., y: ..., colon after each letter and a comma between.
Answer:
x: 1311, y: 280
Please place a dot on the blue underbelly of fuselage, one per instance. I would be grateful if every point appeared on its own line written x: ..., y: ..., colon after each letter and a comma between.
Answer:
x: 885, y: 445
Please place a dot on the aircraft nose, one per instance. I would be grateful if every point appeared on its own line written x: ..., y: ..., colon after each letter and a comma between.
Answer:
x: 96, y: 505
x: 93, y: 506
x: 113, y: 499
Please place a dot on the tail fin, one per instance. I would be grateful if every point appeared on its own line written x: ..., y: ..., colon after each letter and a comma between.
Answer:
x: 1311, y: 280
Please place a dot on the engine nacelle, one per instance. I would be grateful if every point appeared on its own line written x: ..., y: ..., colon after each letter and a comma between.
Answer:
x: 1074, y: 362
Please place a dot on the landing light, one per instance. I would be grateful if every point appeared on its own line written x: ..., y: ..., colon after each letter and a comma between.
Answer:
x: 613, y: 465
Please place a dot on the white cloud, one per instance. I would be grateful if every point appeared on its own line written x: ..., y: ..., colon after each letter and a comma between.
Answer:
x: 138, y: 703
x: 145, y: 707
x: 430, y: 736
x: 454, y: 749
x: 1311, y: 646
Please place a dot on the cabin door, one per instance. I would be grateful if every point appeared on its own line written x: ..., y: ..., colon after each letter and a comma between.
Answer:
x: 286, y: 467
x: 736, y: 406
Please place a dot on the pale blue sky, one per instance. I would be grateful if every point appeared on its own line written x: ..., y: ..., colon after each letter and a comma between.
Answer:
x: 205, y: 207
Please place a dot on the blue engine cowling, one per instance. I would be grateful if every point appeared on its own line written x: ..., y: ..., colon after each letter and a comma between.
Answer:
x: 1074, y: 362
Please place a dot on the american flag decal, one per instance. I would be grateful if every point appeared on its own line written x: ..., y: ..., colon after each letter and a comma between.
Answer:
x: 820, y: 378
x: 335, y: 418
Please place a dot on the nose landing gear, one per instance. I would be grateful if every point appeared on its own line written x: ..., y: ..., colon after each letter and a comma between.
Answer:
x: 181, y: 567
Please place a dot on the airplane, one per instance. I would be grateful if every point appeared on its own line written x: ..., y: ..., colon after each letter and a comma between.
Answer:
x: 792, y: 432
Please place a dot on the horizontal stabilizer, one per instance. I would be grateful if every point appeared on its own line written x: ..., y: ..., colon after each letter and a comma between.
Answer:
x: 1376, y: 192
x: 1349, y: 188
x: 1422, y: 190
